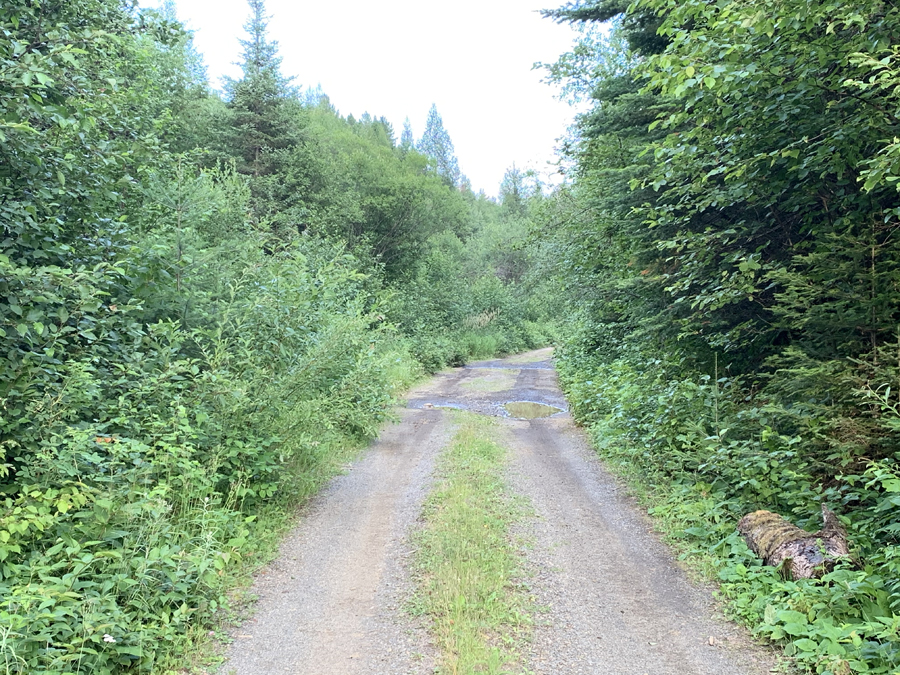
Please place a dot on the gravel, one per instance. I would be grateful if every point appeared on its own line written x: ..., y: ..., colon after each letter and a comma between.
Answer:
x: 333, y: 601
x: 614, y: 600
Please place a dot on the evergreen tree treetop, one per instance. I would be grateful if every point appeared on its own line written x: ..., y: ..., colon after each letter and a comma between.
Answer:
x: 437, y: 146
x: 264, y: 104
x: 406, y: 137
x: 260, y: 54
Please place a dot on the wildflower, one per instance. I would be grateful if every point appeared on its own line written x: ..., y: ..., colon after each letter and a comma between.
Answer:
x: 108, y: 638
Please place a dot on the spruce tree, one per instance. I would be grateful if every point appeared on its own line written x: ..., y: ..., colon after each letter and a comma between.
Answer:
x: 437, y: 146
x: 513, y: 191
x: 264, y: 117
x: 406, y: 137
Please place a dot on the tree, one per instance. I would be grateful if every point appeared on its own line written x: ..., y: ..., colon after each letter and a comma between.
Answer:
x: 515, y: 189
x: 406, y: 137
x: 594, y: 223
x: 639, y: 25
x: 263, y: 101
x: 266, y: 124
x: 766, y: 208
x: 197, y: 115
x: 437, y: 146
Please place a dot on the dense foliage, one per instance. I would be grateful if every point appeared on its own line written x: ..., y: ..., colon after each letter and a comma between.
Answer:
x: 205, y: 301
x: 730, y: 241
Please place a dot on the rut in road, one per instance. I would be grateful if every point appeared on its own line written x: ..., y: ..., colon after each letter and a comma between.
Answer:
x: 616, y: 603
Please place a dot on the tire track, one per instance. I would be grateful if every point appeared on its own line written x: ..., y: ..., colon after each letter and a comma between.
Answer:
x: 331, y: 604
x: 616, y: 602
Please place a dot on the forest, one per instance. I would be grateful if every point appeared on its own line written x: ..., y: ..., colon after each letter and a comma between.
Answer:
x: 207, y: 303
x: 209, y: 300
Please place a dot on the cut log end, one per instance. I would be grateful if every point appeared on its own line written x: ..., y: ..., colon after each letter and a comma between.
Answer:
x: 803, y: 554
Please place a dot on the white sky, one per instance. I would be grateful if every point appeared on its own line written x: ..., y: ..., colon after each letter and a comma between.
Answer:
x: 395, y: 58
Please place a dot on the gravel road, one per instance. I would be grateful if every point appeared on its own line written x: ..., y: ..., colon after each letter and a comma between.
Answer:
x: 332, y: 602
x: 615, y: 602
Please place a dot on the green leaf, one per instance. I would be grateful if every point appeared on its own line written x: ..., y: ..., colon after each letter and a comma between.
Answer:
x: 796, y: 629
x: 789, y: 616
x: 891, y: 484
x: 806, y: 645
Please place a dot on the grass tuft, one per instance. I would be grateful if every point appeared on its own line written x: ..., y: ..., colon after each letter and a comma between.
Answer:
x: 467, y: 562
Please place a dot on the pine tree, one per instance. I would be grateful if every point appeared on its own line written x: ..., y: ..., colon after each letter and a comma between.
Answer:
x: 264, y: 117
x: 406, y: 137
x: 437, y: 146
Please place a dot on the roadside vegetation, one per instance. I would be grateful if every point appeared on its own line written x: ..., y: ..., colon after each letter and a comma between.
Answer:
x: 207, y: 300
x: 470, y: 576
x: 729, y: 249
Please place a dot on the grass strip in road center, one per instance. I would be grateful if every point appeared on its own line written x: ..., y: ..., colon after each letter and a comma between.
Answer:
x: 469, y: 572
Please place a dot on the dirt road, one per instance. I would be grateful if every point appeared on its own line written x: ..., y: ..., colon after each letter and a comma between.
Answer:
x: 616, y: 604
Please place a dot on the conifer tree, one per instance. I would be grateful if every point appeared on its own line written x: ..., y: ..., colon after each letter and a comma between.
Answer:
x: 406, y: 137
x: 437, y: 146
x: 264, y: 117
x: 513, y: 191
x: 313, y: 96
x: 387, y: 129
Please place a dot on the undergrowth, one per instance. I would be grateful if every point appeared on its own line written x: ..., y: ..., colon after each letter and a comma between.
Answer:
x: 139, y: 481
x: 701, y: 458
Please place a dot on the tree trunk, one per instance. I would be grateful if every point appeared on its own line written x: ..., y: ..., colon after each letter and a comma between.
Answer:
x: 804, y: 554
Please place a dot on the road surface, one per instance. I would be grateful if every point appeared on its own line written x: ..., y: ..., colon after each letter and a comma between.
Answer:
x: 614, y: 600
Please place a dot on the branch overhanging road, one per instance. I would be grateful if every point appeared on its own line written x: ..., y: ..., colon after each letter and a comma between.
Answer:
x: 616, y: 603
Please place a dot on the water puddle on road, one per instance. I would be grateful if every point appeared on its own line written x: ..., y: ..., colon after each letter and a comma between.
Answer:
x: 526, y: 410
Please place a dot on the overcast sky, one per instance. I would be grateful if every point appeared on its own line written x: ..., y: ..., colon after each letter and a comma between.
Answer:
x: 473, y: 58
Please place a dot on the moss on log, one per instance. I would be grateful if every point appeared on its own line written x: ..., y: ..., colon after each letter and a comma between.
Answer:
x: 804, y: 554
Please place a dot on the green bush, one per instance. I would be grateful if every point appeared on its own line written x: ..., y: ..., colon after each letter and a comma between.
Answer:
x: 145, y: 457
x: 710, y: 456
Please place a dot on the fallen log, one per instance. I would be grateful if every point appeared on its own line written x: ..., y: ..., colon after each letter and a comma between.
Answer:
x: 803, y: 554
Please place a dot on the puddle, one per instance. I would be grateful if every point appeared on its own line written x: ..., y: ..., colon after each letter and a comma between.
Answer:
x: 538, y: 356
x: 450, y: 406
x: 526, y: 410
